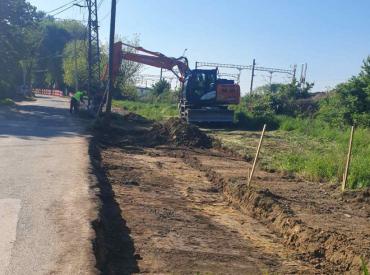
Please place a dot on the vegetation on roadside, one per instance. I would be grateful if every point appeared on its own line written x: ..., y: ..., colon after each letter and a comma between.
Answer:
x: 158, y: 103
x: 309, y: 151
x: 40, y: 51
x: 152, y: 111
x: 310, y: 131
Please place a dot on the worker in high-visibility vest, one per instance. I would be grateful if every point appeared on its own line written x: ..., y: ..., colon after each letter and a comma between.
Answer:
x: 76, y: 100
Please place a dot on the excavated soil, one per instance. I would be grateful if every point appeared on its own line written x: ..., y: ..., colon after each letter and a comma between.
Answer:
x: 169, y: 205
x: 177, y: 132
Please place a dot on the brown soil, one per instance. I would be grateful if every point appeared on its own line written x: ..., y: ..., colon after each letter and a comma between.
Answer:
x: 177, y: 132
x: 166, y: 209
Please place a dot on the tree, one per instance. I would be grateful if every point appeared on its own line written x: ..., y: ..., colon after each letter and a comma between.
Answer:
x: 18, y: 19
x: 69, y: 60
x: 129, y: 69
x: 273, y: 88
x: 55, y: 36
x: 161, y: 87
x: 349, y: 102
x: 284, y: 99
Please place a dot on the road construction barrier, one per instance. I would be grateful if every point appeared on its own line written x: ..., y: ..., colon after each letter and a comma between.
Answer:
x: 48, y: 92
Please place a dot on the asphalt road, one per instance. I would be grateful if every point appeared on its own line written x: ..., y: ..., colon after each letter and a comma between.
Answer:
x: 46, y: 206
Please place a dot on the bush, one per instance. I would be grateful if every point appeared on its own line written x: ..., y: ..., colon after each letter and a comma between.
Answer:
x: 349, y: 103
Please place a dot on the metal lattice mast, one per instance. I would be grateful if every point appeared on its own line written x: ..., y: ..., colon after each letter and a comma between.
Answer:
x: 94, y: 50
x: 244, y: 67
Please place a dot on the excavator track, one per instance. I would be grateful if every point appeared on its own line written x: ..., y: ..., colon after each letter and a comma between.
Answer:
x: 208, y: 115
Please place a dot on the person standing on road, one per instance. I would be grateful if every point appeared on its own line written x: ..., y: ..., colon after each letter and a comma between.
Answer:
x: 76, y: 100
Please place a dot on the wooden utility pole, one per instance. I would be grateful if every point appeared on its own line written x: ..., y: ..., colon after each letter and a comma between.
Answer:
x: 256, y: 157
x: 252, y: 78
x: 111, y: 55
x: 345, y: 175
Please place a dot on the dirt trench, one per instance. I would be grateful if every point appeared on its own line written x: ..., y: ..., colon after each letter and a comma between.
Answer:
x: 325, y: 228
x: 166, y: 209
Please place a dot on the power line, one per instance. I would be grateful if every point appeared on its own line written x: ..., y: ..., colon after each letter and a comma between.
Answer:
x: 107, y: 14
x: 61, y: 7
x: 67, y: 8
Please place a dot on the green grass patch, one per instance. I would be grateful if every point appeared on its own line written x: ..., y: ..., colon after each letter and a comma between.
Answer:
x: 307, y: 148
x: 153, y: 111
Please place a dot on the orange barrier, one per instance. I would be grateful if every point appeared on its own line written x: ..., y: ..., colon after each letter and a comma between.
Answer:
x: 48, y: 92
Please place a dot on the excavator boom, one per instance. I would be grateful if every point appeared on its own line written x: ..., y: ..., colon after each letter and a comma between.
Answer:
x: 154, y: 59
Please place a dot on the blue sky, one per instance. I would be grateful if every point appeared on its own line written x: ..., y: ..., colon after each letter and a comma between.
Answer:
x: 333, y: 37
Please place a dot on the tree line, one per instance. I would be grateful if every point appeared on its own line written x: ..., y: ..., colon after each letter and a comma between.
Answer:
x: 347, y: 104
x: 41, y: 51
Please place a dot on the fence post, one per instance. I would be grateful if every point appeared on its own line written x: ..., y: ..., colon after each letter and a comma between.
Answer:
x: 345, y: 175
x: 256, y: 157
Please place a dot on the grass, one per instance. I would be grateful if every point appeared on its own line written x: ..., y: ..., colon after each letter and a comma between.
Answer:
x: 153, y: 111
x: 6, y: 102
x: 307, y: 148
x: 364, y: 267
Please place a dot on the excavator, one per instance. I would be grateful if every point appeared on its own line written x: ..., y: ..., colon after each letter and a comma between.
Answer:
x: 204, y: 98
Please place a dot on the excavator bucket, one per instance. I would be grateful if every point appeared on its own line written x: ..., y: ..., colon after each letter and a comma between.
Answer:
x: 211, y: 115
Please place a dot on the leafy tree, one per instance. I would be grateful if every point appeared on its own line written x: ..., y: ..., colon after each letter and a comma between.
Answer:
x: 55, y: 36
x: 129, y: 69
x: 283, y: 100
x: 69, y: 60
x: 18, y: 20
x: 161, y: 87
x: 349, y: 103
x: 273, y: 88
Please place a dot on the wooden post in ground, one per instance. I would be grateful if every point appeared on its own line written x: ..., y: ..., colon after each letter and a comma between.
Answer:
x: 256, y: 157
x: 345, y: 175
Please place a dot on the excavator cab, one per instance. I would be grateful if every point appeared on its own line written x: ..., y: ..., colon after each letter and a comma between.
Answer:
x: 205, y: 98
x: 200, y: 87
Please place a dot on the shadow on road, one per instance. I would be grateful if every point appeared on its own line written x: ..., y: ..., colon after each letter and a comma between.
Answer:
x: 39, y: 121
x: 114, y: 248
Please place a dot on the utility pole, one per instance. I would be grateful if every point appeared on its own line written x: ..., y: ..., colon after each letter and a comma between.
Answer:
x: 239, y: 75
x: 161, y: 75
x: 111, y: 50
x: 294, y: 73
x: 253, y: 68
x: 270, y: 78
x: 303, y: 74
x: 93, y: 50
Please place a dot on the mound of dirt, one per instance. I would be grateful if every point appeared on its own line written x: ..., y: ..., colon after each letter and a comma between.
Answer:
x: 175, y: 131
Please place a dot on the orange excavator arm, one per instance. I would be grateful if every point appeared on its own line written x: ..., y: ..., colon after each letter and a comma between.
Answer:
x: 154, y: 59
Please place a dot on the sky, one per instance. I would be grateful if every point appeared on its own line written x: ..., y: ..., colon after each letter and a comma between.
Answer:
x: 331, y: 36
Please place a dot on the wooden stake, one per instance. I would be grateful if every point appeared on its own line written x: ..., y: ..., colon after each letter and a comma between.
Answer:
x: 345, y: 175
x: 256, y: 157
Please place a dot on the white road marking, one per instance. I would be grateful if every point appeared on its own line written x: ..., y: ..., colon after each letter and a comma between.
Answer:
x: 9, y: 210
